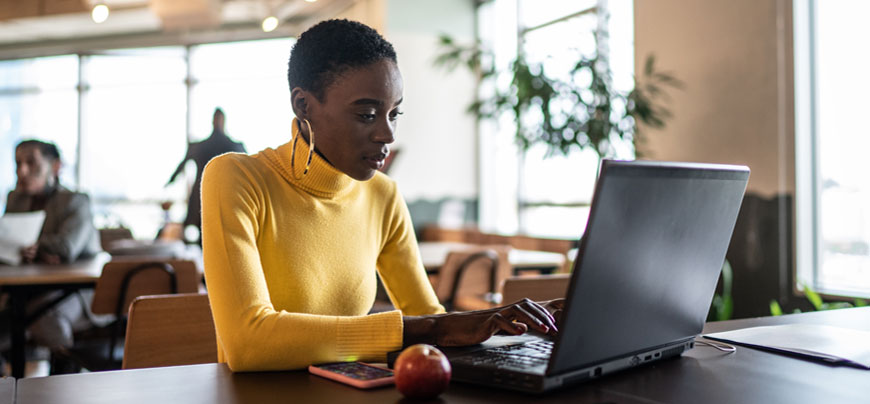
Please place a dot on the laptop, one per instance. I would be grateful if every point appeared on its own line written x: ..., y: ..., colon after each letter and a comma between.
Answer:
x: 642, y: 284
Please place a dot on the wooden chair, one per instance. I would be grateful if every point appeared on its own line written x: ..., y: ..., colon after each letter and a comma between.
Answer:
x: 537, y: 288
x: 112, y: 234
x: 170, y: 330
x: 120, y: 282
x: 471, y: 279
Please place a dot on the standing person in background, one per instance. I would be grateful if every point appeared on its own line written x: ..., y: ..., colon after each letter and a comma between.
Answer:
x: 201, y: 152
x: 67, y: 235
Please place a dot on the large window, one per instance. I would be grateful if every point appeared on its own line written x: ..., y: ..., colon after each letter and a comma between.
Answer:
x: 122, y: 118
x: 532, y: 192
x: 38, y: 99
x: 833, y: 192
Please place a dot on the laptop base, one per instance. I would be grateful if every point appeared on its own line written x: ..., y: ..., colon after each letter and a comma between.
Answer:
x: 535, y: 381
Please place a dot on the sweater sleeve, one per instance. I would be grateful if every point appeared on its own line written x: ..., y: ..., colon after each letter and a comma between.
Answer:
x: 401, y: 267
x: 252, y: 335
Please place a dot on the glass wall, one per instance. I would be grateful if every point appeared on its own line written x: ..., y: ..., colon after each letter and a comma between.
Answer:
x: 537, y: 193
x: 38, y: 99
x: 128, y: 114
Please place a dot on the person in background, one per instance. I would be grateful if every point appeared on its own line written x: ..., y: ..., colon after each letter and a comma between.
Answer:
x: 201, y: 153
x: 68, y: 234
x: 293, y: 236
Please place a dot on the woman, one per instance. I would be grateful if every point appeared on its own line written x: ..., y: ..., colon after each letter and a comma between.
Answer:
x: 292, y: 236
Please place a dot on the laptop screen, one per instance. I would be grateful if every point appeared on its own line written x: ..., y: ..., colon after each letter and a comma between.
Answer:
x: 650, y: 259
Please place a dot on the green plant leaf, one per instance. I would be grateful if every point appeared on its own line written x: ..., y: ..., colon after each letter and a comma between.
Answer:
x: 593, y: 121
x: 775, y: 309
x: 813, y: 297
x: 860, y: 303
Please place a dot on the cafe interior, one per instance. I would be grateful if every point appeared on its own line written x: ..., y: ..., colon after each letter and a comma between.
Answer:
x: 509, y: 108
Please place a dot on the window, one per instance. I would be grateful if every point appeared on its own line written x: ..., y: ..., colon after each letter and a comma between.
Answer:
x: 833, y: 193
x: 129, y: 119
x: 530, y: 192
x: 38, y: 99
x: 251, y: 89
x: 133, y: 128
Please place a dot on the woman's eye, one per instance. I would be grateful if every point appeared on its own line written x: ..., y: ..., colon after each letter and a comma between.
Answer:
x: 368, y: 117
x: 395, y: 115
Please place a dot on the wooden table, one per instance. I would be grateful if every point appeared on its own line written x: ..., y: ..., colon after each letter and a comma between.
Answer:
x: 702, y: 375
x: 434, y: 253
x: 23, y: 282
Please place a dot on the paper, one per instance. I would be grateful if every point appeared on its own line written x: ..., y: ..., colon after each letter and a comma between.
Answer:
x: 822, y: 342
x: 18, y: 230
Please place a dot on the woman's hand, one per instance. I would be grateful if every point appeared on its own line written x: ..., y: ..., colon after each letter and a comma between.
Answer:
x: 474, y: 327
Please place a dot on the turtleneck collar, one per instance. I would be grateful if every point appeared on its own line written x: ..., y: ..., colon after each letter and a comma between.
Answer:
x: 323, y: 180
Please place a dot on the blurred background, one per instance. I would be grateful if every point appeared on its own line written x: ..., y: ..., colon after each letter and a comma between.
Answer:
x: 123, y: 85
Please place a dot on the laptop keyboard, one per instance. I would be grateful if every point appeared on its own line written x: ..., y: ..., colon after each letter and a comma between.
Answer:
x: 520, y: 356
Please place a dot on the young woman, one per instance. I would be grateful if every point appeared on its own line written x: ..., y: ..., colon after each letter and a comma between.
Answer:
x: 293, y: 236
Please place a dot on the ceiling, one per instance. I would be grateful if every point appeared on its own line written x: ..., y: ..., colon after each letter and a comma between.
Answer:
x: 34, y: 23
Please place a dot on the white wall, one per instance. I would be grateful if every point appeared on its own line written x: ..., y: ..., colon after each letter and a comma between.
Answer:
x: 436, y: 136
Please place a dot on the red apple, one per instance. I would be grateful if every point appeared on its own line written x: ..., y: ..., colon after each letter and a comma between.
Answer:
x: 422, y: 371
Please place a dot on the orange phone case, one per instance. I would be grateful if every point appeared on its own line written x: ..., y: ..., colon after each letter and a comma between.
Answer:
x: 358, y: 383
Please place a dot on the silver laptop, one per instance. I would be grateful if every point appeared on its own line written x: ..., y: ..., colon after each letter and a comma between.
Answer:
x: 641, y: 286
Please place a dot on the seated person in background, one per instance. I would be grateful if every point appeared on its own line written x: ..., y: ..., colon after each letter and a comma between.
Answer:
x: 68, y: 232
x: 293, y: 236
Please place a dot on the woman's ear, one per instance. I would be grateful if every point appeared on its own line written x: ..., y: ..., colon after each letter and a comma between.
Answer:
x: 299, y: 100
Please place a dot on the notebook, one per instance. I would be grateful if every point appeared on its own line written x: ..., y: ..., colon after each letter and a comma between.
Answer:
x: 819, y: 342
x: 641, y: 286
x: 18, y: 230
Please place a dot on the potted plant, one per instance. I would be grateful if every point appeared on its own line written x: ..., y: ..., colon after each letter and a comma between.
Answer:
x: 598, y: 114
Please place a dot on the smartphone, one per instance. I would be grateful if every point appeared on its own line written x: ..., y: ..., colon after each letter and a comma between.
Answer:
x: 357, y: 374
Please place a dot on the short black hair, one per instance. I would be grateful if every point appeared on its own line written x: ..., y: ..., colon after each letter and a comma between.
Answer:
x: 330, y: 48
x: 47, y: 149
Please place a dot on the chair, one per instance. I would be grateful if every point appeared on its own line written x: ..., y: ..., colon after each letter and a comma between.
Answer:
x: 537, y: 288
x: 112, y: 234
x: 169, y: 330
x: 120, y: 282
x: 470, y: 279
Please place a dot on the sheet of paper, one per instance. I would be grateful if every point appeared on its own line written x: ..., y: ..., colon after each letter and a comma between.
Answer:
x: 18, y: 230
x: 823, y: 342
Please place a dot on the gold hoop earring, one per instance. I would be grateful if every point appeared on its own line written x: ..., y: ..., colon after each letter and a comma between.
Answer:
x: 310, y: 149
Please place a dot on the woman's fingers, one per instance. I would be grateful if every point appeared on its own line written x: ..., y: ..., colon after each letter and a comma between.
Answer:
x: 499, y: 322
x: 544, y: 313
x: 530, y: 313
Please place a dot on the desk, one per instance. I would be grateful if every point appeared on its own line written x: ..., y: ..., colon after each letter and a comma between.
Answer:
x: 23, y: 282
x: 703, y: 375
x: 434, y: 253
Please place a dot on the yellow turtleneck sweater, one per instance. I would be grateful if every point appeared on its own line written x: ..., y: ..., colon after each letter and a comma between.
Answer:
x: 290, y: 264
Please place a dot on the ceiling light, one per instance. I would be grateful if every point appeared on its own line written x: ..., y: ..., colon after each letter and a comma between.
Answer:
x: 270, y: 23
x: 100, y: 13
x: 311, y: 1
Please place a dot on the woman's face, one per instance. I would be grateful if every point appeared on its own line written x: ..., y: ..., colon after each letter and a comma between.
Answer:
x: 357, y: 120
